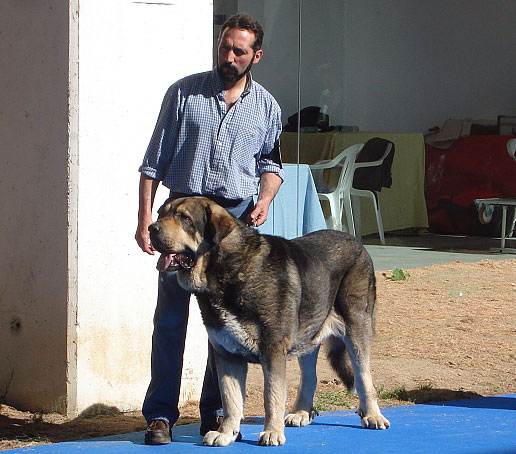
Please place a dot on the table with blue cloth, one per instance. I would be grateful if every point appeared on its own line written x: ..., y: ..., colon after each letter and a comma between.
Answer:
x: 291, y: 216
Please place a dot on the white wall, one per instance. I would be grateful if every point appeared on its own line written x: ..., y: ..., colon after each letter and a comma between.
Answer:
x: 411, y: 65
x: 130, y: 52
x: 33, y: 197
x: 401, y: 65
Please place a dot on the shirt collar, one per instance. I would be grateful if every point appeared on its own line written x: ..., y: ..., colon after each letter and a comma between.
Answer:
x: 249, y: 85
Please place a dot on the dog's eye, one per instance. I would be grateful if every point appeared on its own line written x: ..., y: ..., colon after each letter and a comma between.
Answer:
x: 185, y: 218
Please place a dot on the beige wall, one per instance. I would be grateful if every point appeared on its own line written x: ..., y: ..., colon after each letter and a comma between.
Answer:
x: 33, y: 188
x: 72, y: 141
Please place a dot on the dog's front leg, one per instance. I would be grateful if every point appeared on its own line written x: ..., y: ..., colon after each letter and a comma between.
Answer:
x: 274, y: 367
x: 232, y: 373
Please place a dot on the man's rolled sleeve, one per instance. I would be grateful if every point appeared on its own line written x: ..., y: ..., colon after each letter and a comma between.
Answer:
x: 265, y: 165
x: 270, y: 157
x: 159, y: 151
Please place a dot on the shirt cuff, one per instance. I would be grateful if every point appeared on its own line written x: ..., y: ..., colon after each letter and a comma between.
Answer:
x: 273, y: 168
x: 151, y: 173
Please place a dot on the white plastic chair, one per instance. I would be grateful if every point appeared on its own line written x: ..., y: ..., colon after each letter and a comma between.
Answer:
x: 335, y: 195
x: 339, y: 197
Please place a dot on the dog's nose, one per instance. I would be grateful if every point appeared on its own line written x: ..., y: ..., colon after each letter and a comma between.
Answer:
x: 154, y: 229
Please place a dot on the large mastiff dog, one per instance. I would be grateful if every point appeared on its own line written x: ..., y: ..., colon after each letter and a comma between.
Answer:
x: 264, y: 299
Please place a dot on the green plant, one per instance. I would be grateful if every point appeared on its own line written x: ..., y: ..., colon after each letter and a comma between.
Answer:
x: 328, y: 400
x: 399, y: 393
x: 399, y: 275
x: 424, y: 393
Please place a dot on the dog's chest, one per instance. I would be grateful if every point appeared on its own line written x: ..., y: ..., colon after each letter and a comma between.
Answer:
x: 233, y: 338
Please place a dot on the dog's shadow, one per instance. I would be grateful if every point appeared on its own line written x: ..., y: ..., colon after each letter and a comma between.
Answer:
x: 250, y: 433
x: 349, y: 426
x: 260, y: 420
x: 251, y: 436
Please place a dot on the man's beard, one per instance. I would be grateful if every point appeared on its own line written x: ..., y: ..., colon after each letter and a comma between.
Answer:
x: 231, y: 73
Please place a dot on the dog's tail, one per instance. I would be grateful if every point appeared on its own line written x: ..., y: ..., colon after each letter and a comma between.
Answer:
x: 340, y: 361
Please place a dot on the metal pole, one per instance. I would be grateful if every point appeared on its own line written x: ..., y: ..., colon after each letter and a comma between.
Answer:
x: 300, y: 3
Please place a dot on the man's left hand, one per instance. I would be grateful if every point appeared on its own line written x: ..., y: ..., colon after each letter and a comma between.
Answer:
x: 259, y: 214
x: 269, y: 186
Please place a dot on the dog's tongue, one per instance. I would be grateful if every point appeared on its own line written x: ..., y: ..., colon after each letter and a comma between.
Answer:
x: 164, y: 261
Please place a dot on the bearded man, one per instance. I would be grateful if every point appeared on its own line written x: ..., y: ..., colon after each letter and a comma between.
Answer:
x: 217, y: 135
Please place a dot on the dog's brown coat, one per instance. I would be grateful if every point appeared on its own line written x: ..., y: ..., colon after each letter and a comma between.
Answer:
x: 264, y: 298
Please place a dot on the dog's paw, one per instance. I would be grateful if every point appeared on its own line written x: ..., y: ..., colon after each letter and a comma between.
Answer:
x: 271, y: 438
x: 300, y: 418
x: 377, y: 421
x: 216, y: 438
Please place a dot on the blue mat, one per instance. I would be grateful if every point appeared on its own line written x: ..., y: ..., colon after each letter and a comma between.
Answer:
x: 473, y: 426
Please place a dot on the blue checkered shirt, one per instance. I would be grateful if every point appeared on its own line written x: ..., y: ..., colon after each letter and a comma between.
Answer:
x: 199, y: 147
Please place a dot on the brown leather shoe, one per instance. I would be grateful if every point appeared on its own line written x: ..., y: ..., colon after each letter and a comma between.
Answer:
x: 213, y: 424
x: 158, y: 433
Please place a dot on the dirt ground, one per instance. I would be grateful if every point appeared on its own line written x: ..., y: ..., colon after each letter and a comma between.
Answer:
x: 445, y: 332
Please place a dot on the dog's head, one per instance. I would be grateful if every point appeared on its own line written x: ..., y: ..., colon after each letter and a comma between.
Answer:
x: 186, y: 228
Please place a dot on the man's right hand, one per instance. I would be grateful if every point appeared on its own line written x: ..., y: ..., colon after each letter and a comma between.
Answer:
x: 142, y: 237
x: 147, y: 191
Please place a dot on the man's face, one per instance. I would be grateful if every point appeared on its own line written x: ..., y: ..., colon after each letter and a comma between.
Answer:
x: 235, y: 54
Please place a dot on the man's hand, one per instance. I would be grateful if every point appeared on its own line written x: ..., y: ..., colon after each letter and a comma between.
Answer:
x: 259, y: 214
x: 142, y: 237
x: 269, y: 186
x: 147, y: 191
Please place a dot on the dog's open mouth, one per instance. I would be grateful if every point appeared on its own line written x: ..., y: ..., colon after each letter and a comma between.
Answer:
x: 174, y: 262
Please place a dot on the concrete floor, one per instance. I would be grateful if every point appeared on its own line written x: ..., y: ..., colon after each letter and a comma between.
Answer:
x: 415, y: 251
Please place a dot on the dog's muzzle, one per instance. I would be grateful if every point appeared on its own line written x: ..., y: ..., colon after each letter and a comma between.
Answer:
x: 169, y: 260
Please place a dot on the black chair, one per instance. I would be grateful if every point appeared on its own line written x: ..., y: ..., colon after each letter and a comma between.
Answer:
x: 371, y: 172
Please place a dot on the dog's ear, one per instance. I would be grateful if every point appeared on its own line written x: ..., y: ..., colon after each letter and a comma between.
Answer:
x: 219, y: 223
x: 163, y: 209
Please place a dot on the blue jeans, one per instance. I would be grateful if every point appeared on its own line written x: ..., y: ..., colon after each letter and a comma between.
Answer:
x: 168, y: 343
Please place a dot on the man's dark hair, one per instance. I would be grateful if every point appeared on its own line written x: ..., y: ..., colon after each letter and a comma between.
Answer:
x: 245, y: 22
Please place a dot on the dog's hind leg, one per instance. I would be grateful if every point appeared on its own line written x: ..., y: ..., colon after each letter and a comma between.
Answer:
x: 303, y: 411
x: 274, y: 366
x: 359, y: 360
x: 358, y: 338
x: 232, y: 374
x: 354, y: 304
